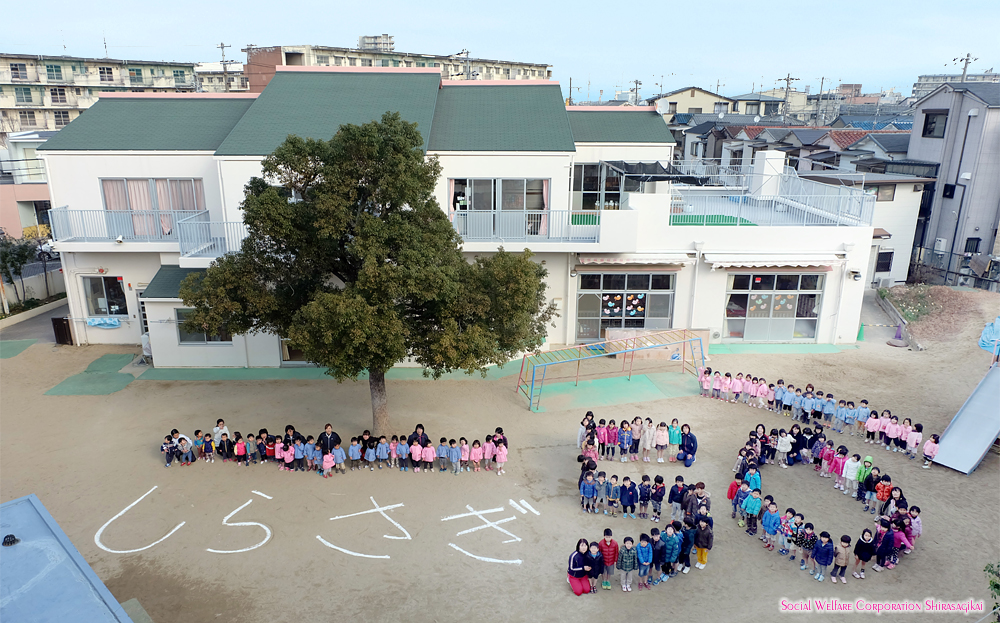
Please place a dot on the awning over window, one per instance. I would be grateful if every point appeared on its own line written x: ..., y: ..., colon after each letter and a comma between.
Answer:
x: 881, y: 234
x: 637, y: 258
x: 758, y: 260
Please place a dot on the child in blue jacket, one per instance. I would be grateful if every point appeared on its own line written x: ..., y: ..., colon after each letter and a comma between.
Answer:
x: 354, y: 452
x: 442, y: 455
x: 645, y: 554
x: 645, y: 491
x: 822, y: 556
x: 771, y: 522
x: 588, y: 491
x: 382, y: 451
x: 402, y: 451
x: 629, y: 496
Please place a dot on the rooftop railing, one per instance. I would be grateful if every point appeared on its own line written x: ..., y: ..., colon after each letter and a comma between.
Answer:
x: 528, y: 225
x: 109, y: 225
x: 201, y: 237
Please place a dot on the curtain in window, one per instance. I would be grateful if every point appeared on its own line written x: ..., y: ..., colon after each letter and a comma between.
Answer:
x: 141, y: 201
x: 182, y: 195
x: 451, y: 199
x: 114, y: 195
x: 543, y: 230
x: 199, y: 195
x: 163, y: 205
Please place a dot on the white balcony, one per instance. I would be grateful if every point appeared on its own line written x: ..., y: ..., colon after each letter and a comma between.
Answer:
x: 117, y: 226
x: 204, y: 239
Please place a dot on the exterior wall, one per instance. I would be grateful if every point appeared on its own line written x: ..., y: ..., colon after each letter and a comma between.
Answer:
x: 245, y: 351
x: 692, y: 98
x: 234, y: 173
x: 554, y: 167
x: 899, y: 218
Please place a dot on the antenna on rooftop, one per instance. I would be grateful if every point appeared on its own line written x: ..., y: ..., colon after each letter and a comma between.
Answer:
x: 226, y: 64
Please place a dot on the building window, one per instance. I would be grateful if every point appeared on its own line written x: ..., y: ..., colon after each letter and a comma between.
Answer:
x: 338, y: 61
x: 105, y: 296
x: 53, y: 72
x: 323, y: 60
x: 721, y: 107
x: 106, y: 73
x: 884, y: 262
x: 623, y: 300
x: 934, y: 124
x: 753, y: 109
x: 772, y: 307
x: 600, y: 187
x: 22, y: 95
x: 61, y: 117
x: 672, y: 108
x: 499, y: 194
x: 366, y: 62
x: 58, y: 95
x: 18, y: 71
x: 885, y: 192
x: 135, y: 75
x: 385, y: 62
x: 179, y: 76
x: 153, y: 194
x: 694, y: 111
x: 353, y: 62
x: 972, y: 245
x: 27, y: 118
x: 185, y: 337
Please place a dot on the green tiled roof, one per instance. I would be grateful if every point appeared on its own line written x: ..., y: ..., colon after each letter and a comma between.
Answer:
x: 315, y: 105
x: 167, y: 124
x: 619, y: 127
x: 501, y: 118
x: 166, y: 283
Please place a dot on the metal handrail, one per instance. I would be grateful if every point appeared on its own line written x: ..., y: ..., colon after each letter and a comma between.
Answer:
x: 70, y: 225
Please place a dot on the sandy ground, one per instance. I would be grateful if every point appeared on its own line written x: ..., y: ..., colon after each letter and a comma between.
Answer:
x: 88, y: 458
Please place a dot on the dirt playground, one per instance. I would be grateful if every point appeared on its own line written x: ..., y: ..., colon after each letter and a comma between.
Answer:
x: 436, y: 555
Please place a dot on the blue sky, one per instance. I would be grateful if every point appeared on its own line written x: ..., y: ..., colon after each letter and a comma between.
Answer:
x: 880, y: 44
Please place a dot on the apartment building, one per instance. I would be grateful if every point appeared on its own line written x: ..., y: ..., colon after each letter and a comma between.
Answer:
x: 39, y: 92
x: 629, y: 242
x: 691, y: 100
x: 927, y: 83
x: 213, y: 78
x: 262, y: 61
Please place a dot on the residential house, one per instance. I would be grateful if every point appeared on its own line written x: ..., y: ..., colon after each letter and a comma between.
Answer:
x: 691, y: 100
x: 958, y: 126
x: 758, y: 104
x: 24, y: 190
x: 40, y: 92
x: 592, y: 192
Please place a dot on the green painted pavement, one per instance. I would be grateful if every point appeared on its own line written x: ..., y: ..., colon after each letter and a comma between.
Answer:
x: 99, y: 379
x: 308, y: 374
x: 777, y: 349
x: 613, y: 391
x: 13, y: 348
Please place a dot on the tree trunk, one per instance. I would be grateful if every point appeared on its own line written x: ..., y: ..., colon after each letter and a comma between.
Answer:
x: 380, y: 404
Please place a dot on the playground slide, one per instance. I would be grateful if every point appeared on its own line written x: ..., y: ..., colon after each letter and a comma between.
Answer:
x: 972, y: 431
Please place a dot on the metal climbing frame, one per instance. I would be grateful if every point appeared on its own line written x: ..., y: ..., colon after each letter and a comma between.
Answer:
x: 530, y: 380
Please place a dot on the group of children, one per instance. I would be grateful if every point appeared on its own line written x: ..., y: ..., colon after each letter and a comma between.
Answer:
x: 810, y: 405
x: 657, y: 557
x: 325, y: 456
x: 898, y: 525
x: 600, y: 439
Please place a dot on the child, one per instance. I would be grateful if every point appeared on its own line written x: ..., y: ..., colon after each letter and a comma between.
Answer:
x: 614, y: 496
x: 602, y: 438
x: 787, y: 398
x: 752, y: 477
x: 822, y: 556
x: 289, y: 458
x: 717, y: 385
x: 850, y: 475
x: 416, y: 455
x: 850, y: 416
x: 279, y: 452
x: 602, y: 492
x: 840, y: 417
x: 476, y: 455
x: 741, y: 494
x: 916, y: 525
x: 300, y: 455
x: 199, y: 445
x: 930, y: 450
x: 797, y: 403
x: 402, y: 455
x: 355, y: 453
x: 184, y: 451
x: 807, y: 406
x: 657, y: 570
x: 817, y: 409
x: 636, y: 429
x: 913, y: 440
x: 883, y: 422
x: 674, y: 444
x: 705, y: 378
x: 612, y: 442
x: 382, y: 451
x: 739, y: 468
x: 308, y: 454
x: 727, y: 385
x: 771, y: 523
x: 629, y: 495
x: 501, y: 456
x: 871, y: 484
x: 442, y: 455
x: 588, y: 493
x: 590, y: 451
x: 225, y: 447
x: 340, y: 458
x: 837, y: 468
x: 661, y: 440
x: 251, y: 449
x: 676, y: 497
x: 645, y: 491
x: 625, y: 440
x: 659, y: 491
x: 737, y: 387
x: 609, y: 550
x: 871, y: 427
x: 168, y: 450
x: 672, y: 542
x: 862, y: 418
x: 262, y: 447
x: 805, y: 542
x: 892, y: 433
x: 829, y: 409
x: 751, y: 507
x: 703, y: 539
x: 841, y: 556
x: 784, y: 446
x: 905, y: 429
x: 827, y: 460
x: 595, y: 560
x: 785, y: 531
x: 628, y: 562
x: 454, y: 457
x: 884, y: 545
x: 645, y: 555
x: 489, y: 450
x: 428, y: 455
x: 797, y: 528
x: 328, y: 463
x: 464, y: 453
x: 863, y: 552
x: 882, y: 491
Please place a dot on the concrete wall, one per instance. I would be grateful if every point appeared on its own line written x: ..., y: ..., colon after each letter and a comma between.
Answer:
x: 35, y: 285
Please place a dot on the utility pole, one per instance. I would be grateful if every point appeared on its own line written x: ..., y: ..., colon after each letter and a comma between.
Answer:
x: 569, y: 100
x: 788, y: 80
x: 638, y: 84
x: 225, y: 64
x: 965, y: 60
x: 820, y: 117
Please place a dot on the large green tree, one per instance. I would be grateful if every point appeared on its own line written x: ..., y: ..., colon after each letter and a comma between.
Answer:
x: 351, y: 259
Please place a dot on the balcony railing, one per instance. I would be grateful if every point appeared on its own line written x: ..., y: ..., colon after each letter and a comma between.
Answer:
x: 711, y: 173
x: 528, y: 225
x: 773, y: 210
x: 108, y: 225
x: 201, y: 237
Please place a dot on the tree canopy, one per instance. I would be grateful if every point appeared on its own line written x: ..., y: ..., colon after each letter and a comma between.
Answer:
x: 349, y: 256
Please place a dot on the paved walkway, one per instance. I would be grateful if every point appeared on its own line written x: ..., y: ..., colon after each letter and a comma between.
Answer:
x: 872, y: 316
x: 37, y: 328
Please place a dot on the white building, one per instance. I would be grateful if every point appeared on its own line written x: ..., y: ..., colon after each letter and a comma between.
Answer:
x: 757, y: 255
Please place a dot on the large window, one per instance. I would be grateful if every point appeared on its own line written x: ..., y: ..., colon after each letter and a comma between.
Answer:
x: 179, y: 76
x: 53, y: 72
x: 186, y: 337
x: 61, y: 117
x: 153, y: 194
x: 773, y: 307
x: 623, y: 301
x: 934, y: 124
x: 106, y: 74
x: 600, y: 187
x: 18, y: 71
x: 58, y: 95
x: 22, y: 95
x: 105, y: 296
x: 884, y: 262
x: 27, y: 118
x: 499, y: 194
x: 135, y: 75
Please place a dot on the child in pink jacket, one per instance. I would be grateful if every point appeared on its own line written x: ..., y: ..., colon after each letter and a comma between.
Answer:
x: 872, y: 426
x: 913, y: 441
x: 327, y: 463
x: 393, y: 457
x: 463, y: 447
x: 279, y: 452
x: 476, y: 455
x: 883, y: 422
x: 427, y: 455
x: 892, y: 432
x: 416, y: 455
x: 501, y: 457
x: 705, y: 378
x: 602, y: 438
x: 930, y: 450
x: 489, y: 449
x: 837, y: 467
x: 827, y: 460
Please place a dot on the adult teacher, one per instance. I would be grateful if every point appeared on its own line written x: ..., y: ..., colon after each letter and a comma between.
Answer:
x: 689, y: 446
x: 328, y: 439
x: 578, y: 569
x: 417, y: 435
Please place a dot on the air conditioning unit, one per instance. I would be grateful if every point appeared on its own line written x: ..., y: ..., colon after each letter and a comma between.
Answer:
x: 885, y: 283
x: 940, y: 245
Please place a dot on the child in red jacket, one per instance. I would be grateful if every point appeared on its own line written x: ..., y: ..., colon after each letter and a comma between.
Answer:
x: 609, y: 549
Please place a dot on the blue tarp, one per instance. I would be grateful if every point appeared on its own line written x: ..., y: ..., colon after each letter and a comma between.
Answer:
x: 104, y: 323
x: 990, y: 335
